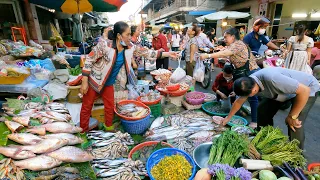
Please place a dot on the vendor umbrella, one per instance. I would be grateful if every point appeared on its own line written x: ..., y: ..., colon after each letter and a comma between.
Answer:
x: 81, y: 6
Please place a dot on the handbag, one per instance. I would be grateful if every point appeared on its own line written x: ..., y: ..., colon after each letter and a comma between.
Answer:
x: 243, y: 71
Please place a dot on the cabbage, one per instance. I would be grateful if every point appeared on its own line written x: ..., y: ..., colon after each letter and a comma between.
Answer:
x: 284, y: 178
x: 267, y: 175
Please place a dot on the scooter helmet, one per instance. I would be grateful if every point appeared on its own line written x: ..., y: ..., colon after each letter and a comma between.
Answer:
x: 261, y: 22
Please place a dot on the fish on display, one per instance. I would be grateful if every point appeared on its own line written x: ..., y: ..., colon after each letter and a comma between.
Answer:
x: 13, y: 126
x: 38, y: 163
x: 71, y: 154
x: 157, y: 123
x: 58, y: 127
x: 24, y: 138
x: 46, y: 145
x: 30, y: 112
x: 15, y: 153
x: 72, y: 139
x: 37, y: 130
x: 24, y: 120
x: 59, y: 173
x: 201, y: 134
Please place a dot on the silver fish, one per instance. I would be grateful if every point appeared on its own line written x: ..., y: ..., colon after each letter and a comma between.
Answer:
x: 157, y: 122
x: 71, y: 154
x: 38, y: 163
x: 24, y: 138
x: 61, y: 127
x: 15, y: 153
x: 201, y: 134
x: 72, y: 139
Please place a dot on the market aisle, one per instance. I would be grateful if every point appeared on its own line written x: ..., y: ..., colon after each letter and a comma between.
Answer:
x: 312, y: 143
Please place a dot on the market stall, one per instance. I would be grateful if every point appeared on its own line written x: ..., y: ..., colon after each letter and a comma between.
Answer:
x: 164, y: 132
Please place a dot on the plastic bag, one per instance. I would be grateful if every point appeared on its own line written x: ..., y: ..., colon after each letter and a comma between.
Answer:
x: 198, y: 72
x: 178, y: 74
x: 226, y: 104
x: 133, y: 94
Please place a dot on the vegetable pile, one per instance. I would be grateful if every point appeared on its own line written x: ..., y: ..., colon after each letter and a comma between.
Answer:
x: 275, y: 147
x: 228, y: 148
x: 174, y: 167
x: 75, y: 71
x: 223, y: 171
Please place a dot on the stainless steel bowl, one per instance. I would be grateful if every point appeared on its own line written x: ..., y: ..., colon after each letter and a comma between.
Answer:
x: 201, y: 154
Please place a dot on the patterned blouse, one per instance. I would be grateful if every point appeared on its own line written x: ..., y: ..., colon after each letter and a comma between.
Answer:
x: 240, y: 55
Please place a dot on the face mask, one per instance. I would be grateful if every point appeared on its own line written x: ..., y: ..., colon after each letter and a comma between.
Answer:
x: 228, y: 79
x: 262, y: 31
x: 123, y: 43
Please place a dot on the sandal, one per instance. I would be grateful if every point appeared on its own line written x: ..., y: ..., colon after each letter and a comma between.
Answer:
x: 253, y: 125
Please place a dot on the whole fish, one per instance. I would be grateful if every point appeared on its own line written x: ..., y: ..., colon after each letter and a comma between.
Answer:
x: 198, y: 124
x: 24, y: 138
x: 61, y: 127
x: 48, y: 114
x: 45, y: 120
x: 72, y: 139
x: 46, y: 145
x: 38, y: 163
x: 60, y: 170
x: 201, y: 134
x: 71, y: 154
x: 37, y: 130
x: 15, y: 153
x: 60, y: 116
x: 157, y: 123
x: 13, y: 126
x: 29, y: 112
x: 24, y: 120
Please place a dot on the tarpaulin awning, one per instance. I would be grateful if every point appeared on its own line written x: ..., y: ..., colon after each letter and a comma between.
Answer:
x: 222, y: 15
x: 161, y: 21
x: 200, y: 13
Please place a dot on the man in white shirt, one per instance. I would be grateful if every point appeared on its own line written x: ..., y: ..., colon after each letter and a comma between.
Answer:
x: 175, y: 41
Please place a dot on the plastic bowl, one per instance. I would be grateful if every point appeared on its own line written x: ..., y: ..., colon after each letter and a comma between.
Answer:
x: 174, y: 87
x: 158, y: 155
x: 238, y: 117
x: 193, y: 101
x: 144, y: 144
x: 124, y: 102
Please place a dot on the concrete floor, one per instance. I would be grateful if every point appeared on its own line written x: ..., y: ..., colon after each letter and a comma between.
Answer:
x: 312, y: 125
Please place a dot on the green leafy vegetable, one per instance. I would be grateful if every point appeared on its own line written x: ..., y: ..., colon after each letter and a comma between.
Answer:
x: 75, y: 71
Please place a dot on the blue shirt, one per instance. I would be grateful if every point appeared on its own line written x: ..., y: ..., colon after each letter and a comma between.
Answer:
x: 263, y: 47
x: 116, y: 68
x: 253, y: 42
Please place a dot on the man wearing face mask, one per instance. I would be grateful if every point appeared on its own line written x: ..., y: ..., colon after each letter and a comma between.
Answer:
x: 223, y: 84
x: 159, y: 42
x: 256, y: 38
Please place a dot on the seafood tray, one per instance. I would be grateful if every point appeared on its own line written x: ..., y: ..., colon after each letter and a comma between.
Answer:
x: 190, y: 106
x: 124, y: 106
x: 214, y: 108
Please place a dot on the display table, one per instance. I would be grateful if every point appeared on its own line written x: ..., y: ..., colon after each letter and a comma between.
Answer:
x: 24, y: 87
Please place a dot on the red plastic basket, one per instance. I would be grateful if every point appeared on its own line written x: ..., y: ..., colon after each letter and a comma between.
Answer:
x: 174, y: 87
x: 313, y: 165
x: 144, y: 144
x: 124, y: 102
x: 172, y: 93
x: 149, y: 103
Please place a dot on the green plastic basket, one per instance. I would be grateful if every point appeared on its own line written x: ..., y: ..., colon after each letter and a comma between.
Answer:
x: 155, y: 110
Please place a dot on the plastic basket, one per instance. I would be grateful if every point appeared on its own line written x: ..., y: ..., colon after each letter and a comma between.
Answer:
x: 205, y: 108
x: 124, y: 102
x: 239, y: 117
x: 156, y: 157
x: 144, y: 144
x: 148, y: 103
x: 156, y: 109
x: 136, y: 127
x: 13, y: 80
x: 195, y: 101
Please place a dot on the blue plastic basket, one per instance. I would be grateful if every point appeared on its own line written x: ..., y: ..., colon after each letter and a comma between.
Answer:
x: 156, y: 157
x: 243, y: 119
x: 136, y: 127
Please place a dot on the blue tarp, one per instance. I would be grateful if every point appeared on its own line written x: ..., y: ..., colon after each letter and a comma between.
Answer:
x: 200, y: 13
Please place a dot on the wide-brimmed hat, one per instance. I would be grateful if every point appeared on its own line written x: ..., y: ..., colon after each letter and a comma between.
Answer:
x: 155, y: 30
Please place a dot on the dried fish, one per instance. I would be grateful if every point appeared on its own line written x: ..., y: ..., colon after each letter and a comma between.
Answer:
x: 8, y: 170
